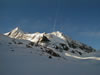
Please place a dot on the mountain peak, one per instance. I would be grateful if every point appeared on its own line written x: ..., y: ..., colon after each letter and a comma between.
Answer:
x: 15, y: 33
x: 57, y: 33
x: 17, y: 29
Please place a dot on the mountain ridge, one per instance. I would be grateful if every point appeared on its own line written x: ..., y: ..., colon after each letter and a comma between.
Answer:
x: 56, y: 41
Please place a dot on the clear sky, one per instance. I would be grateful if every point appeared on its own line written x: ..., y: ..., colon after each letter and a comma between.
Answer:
x: 80, y: 19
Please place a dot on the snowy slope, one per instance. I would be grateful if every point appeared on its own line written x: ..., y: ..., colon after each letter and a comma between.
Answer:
x: 44, y: 54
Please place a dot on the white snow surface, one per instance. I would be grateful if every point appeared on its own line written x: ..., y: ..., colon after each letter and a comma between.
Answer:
x: 17, y: 59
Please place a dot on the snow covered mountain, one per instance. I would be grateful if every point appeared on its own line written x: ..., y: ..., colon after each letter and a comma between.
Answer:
x: 46, y: 54
x: 55, y: 40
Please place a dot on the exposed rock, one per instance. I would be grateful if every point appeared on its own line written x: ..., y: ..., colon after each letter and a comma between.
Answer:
x: 72, y: 51
x: 19, y: 43
x: 72, y: 45
x: 50, y: 57
x: 31, y: 43
x: 51, y: 52
x: 28, y: 46
x: 44, y: 39
x: 64, y: 46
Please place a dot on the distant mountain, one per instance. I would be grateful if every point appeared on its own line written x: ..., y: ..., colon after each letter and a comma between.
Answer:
x: 55, y: 41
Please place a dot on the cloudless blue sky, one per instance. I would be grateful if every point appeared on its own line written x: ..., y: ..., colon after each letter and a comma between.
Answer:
x: 80, y: 19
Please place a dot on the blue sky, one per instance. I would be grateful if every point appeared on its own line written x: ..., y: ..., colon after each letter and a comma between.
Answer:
x: 80, y: 19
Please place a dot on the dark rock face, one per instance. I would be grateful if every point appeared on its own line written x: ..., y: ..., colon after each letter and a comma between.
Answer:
x: 80, y: 53
x: 87, y: 49
x: 51, y: 52
x: 72, y: 51
x: 76, y: 52
x: 9, y: 34
x: 44, y: 39
x: 56, y: 47
x: 64, y: 46
x: 50, y: 57
x: 73, y: 45
x: 83, y: 47
x: 28, y: 46
x: 32, y: 43
x: 19, y: 43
